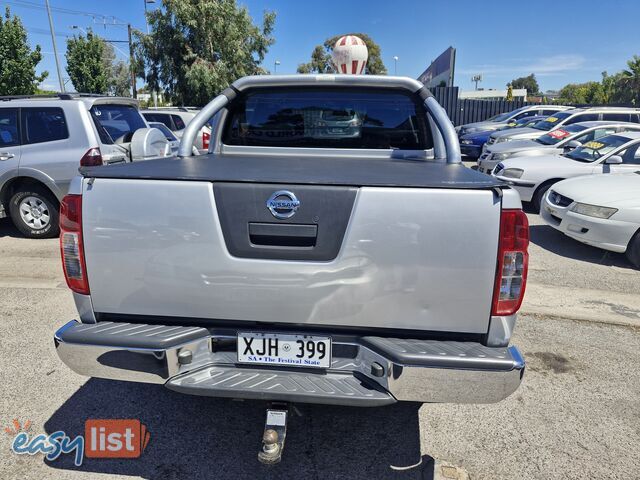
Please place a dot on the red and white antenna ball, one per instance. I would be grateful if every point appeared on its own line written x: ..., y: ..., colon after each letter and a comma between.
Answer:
x: 350, y: 55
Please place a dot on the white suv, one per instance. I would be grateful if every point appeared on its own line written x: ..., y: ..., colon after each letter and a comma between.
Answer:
x: 43, y: 142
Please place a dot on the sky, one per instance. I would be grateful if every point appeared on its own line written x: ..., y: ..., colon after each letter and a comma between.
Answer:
x: 561, y: 41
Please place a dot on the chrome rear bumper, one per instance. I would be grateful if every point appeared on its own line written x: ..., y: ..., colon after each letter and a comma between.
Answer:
x: 365, y: 371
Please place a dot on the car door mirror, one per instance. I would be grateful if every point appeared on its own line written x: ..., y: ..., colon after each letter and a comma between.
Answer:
x: 614, y: 160
x: 571, y: 145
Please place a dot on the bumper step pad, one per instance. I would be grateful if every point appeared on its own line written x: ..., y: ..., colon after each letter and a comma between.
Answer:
x: 331, y: 388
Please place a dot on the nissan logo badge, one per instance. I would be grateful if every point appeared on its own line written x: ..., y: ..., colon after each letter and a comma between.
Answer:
x: 283, y: 204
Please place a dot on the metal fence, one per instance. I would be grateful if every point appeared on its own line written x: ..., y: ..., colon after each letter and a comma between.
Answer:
x: 469, y: 110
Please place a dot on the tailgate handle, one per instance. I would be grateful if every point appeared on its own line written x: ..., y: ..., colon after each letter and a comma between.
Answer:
x: 283, y: 234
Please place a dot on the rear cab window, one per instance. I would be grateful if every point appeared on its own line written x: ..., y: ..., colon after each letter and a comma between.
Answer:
x: 43, y: 124
x: 116, y: 123
x: 9, y: 133
x: 328, y: 118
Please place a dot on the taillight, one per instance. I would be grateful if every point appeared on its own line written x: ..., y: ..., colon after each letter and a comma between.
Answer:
x: 205, y: 140
x: 92, y: 158
x: 513, y: 261
x: 71, y: 245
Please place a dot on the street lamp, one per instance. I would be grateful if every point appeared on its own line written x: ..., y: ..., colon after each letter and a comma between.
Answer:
x: 275, y: 66
x: 145, y: 13
x: 395, y: 65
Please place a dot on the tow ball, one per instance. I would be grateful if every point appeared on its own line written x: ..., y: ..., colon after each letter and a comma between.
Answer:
x: 275, y: 432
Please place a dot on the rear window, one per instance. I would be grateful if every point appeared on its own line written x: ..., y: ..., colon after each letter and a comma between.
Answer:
x: 159, y: 117
x: 43, y: 125
x: 328, y: 118
x: 116, y: 123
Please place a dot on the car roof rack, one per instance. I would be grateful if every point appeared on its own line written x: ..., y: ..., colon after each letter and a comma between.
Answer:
x: 61, y: 96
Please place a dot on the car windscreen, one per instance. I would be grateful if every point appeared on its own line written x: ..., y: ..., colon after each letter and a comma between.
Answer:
x: 559, y: 134
x: 595, y: 149
x: 503, y: 117
x: 552, y: 121
x: 116, y: 122
x: 163, y: 128
x: 328, y: 118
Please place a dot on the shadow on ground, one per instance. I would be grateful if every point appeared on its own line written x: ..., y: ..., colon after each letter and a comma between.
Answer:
x: 556, y: 242
x: 8, y: 230
x: 198, y: 437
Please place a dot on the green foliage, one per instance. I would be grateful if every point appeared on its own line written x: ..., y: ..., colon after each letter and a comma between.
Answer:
x: 509, y: 93
x: 583, y: 93
x: 118, y: 77
x: 529, y: 82
x: 321, y: 57
x: 199, y: 47
x: 86, y: 64
x: 17, y: 60
x: 630, y: 80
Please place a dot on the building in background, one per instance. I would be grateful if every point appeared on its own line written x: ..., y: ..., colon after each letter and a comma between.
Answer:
x: 440, y: 72
x: 518, y: 94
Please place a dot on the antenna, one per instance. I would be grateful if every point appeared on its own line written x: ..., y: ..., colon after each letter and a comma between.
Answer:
x: 477, y: 78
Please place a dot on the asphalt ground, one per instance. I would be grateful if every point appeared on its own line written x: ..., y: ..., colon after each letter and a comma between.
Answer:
x: 576, y: 414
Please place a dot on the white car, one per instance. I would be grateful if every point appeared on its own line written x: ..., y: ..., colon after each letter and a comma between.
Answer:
x: 533, y: 176
x: 568, y: 117
x: 599, y: 210
x: 560, y: 140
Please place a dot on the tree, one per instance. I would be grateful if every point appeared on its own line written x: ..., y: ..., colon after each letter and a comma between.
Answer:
x: 529, y: 82
x: 630, y: 79
x: 17, y: 61
x: 86, y: 64
x: 583, y: 93
x: 199, y: 47
x: 118, y: 76
x: 321, y: 57
x: 509, y: 93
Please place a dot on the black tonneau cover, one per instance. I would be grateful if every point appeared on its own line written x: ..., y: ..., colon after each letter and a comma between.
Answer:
x: 302, y: 170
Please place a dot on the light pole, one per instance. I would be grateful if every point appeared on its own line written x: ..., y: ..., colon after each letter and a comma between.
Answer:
x: 55, y: 48
x: 395, y: 65
x: 145, y: 13
x: 275, y: 66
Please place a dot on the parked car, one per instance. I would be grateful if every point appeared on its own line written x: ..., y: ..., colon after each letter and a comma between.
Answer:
x: 502, y: 119
x: 471, y: 143
x: 326, y: 274
x: 599, y: 210
x: 176, y: 119
x: 560, y: 140
x: 43, y: 141
x: 576, y: 115
x: 533, y: 176
x: 174, y: 143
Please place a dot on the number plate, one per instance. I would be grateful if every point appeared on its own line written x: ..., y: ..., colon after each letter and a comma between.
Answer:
x: 279, y: 349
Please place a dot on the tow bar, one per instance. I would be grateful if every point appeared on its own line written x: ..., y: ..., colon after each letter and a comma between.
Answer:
x: 275, y: 432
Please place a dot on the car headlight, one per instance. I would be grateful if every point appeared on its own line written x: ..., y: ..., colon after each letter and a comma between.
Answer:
x: 466, y: 142
x: 593, y: 210
x: 502, y: 139
x: 500, y: 156
x: 512, y: 173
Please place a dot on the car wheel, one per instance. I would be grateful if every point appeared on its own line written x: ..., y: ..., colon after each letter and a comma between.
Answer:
x: 34, y: 212
x: 538, y: 197
x: 633, y: 250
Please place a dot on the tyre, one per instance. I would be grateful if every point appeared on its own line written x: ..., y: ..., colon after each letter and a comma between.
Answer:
x: 633, y: 250
x: 538, y: 197
x: 34, y: 211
